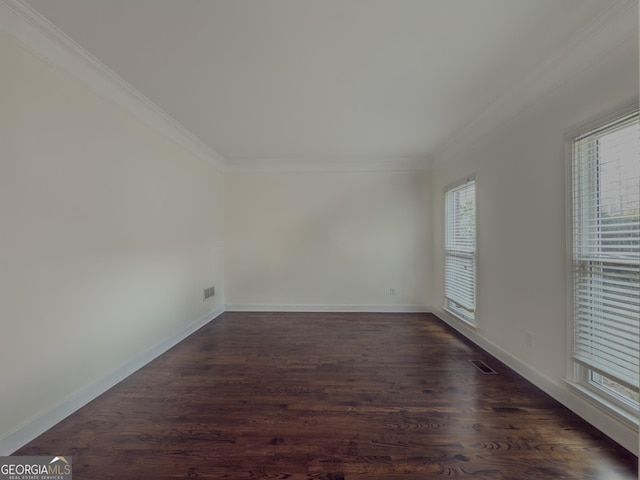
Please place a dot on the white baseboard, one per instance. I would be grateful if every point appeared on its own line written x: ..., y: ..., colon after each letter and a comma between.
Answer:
x: 24, y: 434
x: 625, y: 436
x: 608, y: 424
x: 328, y: 308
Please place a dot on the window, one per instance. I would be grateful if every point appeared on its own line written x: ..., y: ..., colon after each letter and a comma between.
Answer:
x: 605, y: 261
x: 460, y: 251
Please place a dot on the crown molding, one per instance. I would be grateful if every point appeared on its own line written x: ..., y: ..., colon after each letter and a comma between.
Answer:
x: 327, y: 165
x: 21, y: 22
x: 609, y: 28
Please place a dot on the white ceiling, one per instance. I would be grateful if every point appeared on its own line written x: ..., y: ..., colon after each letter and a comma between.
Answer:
x: 334, y: 81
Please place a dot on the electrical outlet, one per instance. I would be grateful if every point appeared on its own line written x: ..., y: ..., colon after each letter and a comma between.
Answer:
x: 529, y: 339
x: 209, y: 292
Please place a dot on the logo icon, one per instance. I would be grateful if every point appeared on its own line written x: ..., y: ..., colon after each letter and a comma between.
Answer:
x: 35, y: 468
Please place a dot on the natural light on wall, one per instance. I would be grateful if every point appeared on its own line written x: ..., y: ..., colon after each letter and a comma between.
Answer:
x: 605, y: 207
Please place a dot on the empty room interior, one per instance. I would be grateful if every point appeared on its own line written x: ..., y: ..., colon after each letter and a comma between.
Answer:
x: 283, y: 238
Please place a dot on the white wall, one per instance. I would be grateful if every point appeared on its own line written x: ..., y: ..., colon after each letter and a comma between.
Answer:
x: 521, y: 255
x: 109, y: 234
x: 326, y: 240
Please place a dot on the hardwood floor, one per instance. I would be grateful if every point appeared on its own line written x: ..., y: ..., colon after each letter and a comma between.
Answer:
x: 329, y: 396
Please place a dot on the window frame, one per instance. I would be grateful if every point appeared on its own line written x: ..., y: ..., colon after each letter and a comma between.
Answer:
x: 579, y: 376
x: 468, y: 317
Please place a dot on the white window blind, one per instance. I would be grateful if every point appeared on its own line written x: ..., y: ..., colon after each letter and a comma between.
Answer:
x: 460, y: 251
x: 606, y: 250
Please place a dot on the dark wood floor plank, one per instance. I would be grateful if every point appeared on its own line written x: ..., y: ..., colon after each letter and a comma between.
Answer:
x: 329, y: 396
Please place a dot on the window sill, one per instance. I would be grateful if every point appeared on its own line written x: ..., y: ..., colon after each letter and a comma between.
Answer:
x: 457, y: 316
x: 629, y: 419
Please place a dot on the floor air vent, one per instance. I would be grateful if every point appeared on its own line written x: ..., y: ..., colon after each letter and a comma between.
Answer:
x: 483, y: 367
